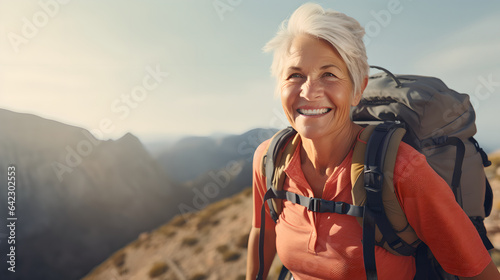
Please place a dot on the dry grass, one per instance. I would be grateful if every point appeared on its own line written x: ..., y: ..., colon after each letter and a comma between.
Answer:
x: 242, y: 241
x: 230, y: 256
x: 158, y: 269
x: 198, y: 276
x: 189, y: 241
x: 118, y: 259
x: 177, y: 221
x: 495, y: 256
x: 495, y: 159
x: 222, y: 248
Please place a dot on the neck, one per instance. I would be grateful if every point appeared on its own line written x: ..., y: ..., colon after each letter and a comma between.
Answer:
x: 327, y: 152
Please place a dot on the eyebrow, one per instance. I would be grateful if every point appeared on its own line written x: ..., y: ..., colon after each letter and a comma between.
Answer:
x: 295, y: 68
x: 330, y: 65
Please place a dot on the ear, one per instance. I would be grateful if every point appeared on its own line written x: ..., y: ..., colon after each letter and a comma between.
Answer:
x: 357, y: 96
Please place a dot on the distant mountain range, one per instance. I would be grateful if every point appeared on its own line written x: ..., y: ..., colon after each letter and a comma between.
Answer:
x: 78, y: 198
x: 191, y: 157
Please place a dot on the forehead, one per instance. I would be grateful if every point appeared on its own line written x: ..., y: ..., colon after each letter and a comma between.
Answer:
x: 307, y: 50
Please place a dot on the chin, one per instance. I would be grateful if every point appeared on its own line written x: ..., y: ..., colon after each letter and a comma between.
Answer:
x: 310, y: 132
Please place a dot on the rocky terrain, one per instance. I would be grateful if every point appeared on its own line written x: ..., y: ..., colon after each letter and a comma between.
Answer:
x: 209, y: 244
x: 492, y: 223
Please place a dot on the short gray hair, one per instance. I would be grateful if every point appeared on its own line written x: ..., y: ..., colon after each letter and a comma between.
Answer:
x: 344, y: 33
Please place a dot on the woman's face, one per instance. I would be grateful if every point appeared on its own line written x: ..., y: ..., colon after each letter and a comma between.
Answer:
x: 316, y: 90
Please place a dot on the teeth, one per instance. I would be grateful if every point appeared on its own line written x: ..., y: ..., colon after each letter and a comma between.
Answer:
x: 313, y: 112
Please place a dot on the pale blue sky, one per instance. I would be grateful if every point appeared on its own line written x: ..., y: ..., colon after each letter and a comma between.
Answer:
x: 77, y: 61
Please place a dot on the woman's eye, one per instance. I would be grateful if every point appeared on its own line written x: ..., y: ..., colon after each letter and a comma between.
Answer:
x: 328, y: 74
x: 294, y: 75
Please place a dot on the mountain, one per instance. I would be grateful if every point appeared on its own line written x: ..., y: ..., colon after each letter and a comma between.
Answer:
x: 77, y: 198
x: 192, y: 157
x: 212, y: 168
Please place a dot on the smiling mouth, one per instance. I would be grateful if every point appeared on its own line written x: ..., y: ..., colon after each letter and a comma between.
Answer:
x: 313, y: 112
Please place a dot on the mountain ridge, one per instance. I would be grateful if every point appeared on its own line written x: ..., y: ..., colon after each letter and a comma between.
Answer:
x: 78, y: 198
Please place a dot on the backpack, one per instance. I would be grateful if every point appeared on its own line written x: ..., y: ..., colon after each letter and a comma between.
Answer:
x: 423, y: 112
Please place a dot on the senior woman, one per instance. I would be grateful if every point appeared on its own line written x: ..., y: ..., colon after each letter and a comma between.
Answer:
x: 321, y: 66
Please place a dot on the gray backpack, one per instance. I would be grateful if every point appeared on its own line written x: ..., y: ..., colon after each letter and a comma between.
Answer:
x: 440, y: 124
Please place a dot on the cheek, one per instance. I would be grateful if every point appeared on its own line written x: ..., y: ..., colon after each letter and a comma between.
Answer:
x: 341, y: 96
x: 287, y: 95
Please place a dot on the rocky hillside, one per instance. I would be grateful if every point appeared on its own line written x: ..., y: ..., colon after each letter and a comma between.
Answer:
x: 492, y: 223
x: 210, y: 244
x: 78, y: 199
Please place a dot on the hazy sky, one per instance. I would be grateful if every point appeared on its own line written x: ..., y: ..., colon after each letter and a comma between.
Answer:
x: 155, y: 67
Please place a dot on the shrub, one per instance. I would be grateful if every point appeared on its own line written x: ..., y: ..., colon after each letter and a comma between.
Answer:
x: 247, y: 191
x: 167, y: 230
x: 203, y: 223
x: 198, y: 250
x: 170, y: 233
x: 242, y: 242
x: 230, y: 256
x: 136, y: 243
x: 189, y: 241
x: 119, y: 259
x: 222, y: 248
x: 178, y: 221
x: 495, y: 256
x: 198, y: 276
x: 123, y: 271
x: 158, y: 269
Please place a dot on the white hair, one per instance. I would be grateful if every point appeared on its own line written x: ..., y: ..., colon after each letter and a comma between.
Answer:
x: 344, y: 33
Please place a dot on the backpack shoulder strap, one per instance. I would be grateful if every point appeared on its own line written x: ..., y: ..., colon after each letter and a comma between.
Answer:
x: 372, y: 171
x: 358, y: 161
x: 278, y: 155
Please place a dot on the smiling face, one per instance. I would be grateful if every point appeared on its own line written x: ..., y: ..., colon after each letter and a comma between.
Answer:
x: 316, y: 89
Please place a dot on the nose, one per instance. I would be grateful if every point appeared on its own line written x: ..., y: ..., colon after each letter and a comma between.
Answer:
x: 311, y: 89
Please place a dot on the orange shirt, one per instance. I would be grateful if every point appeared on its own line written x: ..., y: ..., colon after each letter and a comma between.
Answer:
x: 328, y: 245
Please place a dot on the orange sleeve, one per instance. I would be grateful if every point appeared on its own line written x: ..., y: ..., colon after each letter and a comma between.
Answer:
x: 438, y: 220
x: 259, y: 188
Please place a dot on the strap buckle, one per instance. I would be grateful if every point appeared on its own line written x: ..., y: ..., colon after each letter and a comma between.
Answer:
x: 327, y: 206
x: 373, y: 179
x: 314, y: 204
